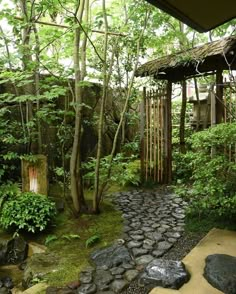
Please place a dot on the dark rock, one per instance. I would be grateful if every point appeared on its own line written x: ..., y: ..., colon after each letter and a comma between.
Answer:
x: 220, y: 272
x: 7, y: 282
x: 164, y: 273
x: 119, y: 285
x: 102, y: 279
x: 87, y: 289
x: 13, y: 251
x: 111, y: 256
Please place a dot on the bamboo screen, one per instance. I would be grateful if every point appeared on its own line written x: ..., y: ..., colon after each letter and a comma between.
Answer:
x: 154, y: 135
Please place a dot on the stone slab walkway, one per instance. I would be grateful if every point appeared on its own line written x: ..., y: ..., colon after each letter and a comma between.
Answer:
x: 153, y: 222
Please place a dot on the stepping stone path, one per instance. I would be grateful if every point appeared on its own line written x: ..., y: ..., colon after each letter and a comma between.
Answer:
x: 153, y: 222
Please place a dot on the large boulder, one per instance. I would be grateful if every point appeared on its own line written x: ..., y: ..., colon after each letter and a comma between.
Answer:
x: 13, y: 251
x: 38, y: 266
x: 220, y: 272
x: 111, y: 256
x: 164, y: 273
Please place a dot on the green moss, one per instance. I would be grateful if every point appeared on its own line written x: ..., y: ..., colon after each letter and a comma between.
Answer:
x: 73, y: 254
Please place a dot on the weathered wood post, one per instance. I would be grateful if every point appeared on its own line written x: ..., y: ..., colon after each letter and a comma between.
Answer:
x: 34, y: 175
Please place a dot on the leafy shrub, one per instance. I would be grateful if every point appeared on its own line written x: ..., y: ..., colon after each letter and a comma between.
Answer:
x: 125, y: 170
x: 214, y: 171
x: 29, y: 211
x: 8, y: 191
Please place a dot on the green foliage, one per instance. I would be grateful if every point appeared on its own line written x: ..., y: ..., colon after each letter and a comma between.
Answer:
x: 125, y: 169
x: 92, y: 240
x: 50, y: 238
x: 70, y: 237
x: 213, y: 172
x: 8, y: 191
x: 29, y: 211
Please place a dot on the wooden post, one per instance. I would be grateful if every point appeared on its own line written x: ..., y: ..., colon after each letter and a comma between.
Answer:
x: 142, y: 127
x: 182, y: 118
x: 169, y: 134
x: 213, y: 109
x: 219, y: 97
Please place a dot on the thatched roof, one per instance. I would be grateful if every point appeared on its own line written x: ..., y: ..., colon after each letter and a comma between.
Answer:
x: 207, y: 58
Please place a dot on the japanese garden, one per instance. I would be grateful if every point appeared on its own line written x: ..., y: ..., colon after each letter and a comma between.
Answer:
x: 117, y: 148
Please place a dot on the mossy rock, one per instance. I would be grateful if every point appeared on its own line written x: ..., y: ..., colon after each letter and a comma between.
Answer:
x: 37, y: 268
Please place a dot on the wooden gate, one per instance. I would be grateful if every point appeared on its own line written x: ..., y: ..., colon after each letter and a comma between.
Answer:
x: 155, y: 135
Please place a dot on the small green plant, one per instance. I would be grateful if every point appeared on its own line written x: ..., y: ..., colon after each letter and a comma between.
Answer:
x: 29, y: 211
x: 50, y: 239
x: 92, y: 240
x: 70, y: 237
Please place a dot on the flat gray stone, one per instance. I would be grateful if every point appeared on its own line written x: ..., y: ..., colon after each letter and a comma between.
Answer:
x: 137, y: 237
x: 134, y: 244
x: 144, y: 259
x: 86, y: 278
x: 117, y: 271
x: 102, y: 279
x: 164, y: 273
x: 119, y: 285
x: 87, y: 289
x: 111, y: 256
x: 220, y: 272
x: 158, y: 253
x: 131, y: 275
x: 164, y: 245
x: 139, y: 251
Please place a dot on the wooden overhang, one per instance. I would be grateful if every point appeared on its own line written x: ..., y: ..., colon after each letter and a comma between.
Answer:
x: 205, y: 59
x: 201, y: 15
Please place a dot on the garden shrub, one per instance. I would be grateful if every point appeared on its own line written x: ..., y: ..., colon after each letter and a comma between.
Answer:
x: 214, y: 172
x: 29, y: 211
x: 125, y: 170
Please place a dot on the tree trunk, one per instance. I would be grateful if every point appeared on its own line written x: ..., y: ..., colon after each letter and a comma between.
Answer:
x: 77, y: 192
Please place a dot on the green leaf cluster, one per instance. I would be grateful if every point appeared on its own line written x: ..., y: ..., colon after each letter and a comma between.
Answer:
x: 28, y: 211
x: 211, y: 166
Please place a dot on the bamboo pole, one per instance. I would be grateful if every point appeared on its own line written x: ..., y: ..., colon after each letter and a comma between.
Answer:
x: 161, y: 138
x: 147, y: 130
x: 154, y: 135
x: 158, y: 137
x: 150, y: 133
x: 142, y: 138
x: 230, y: 120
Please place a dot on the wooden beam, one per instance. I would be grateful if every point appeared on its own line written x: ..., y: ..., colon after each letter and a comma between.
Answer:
x: 68, y: 27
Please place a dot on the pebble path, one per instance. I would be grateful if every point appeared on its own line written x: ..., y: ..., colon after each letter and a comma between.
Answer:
x: 152, y: 223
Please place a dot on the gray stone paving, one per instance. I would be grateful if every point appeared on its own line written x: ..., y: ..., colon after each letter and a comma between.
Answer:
x: 152, y: 223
